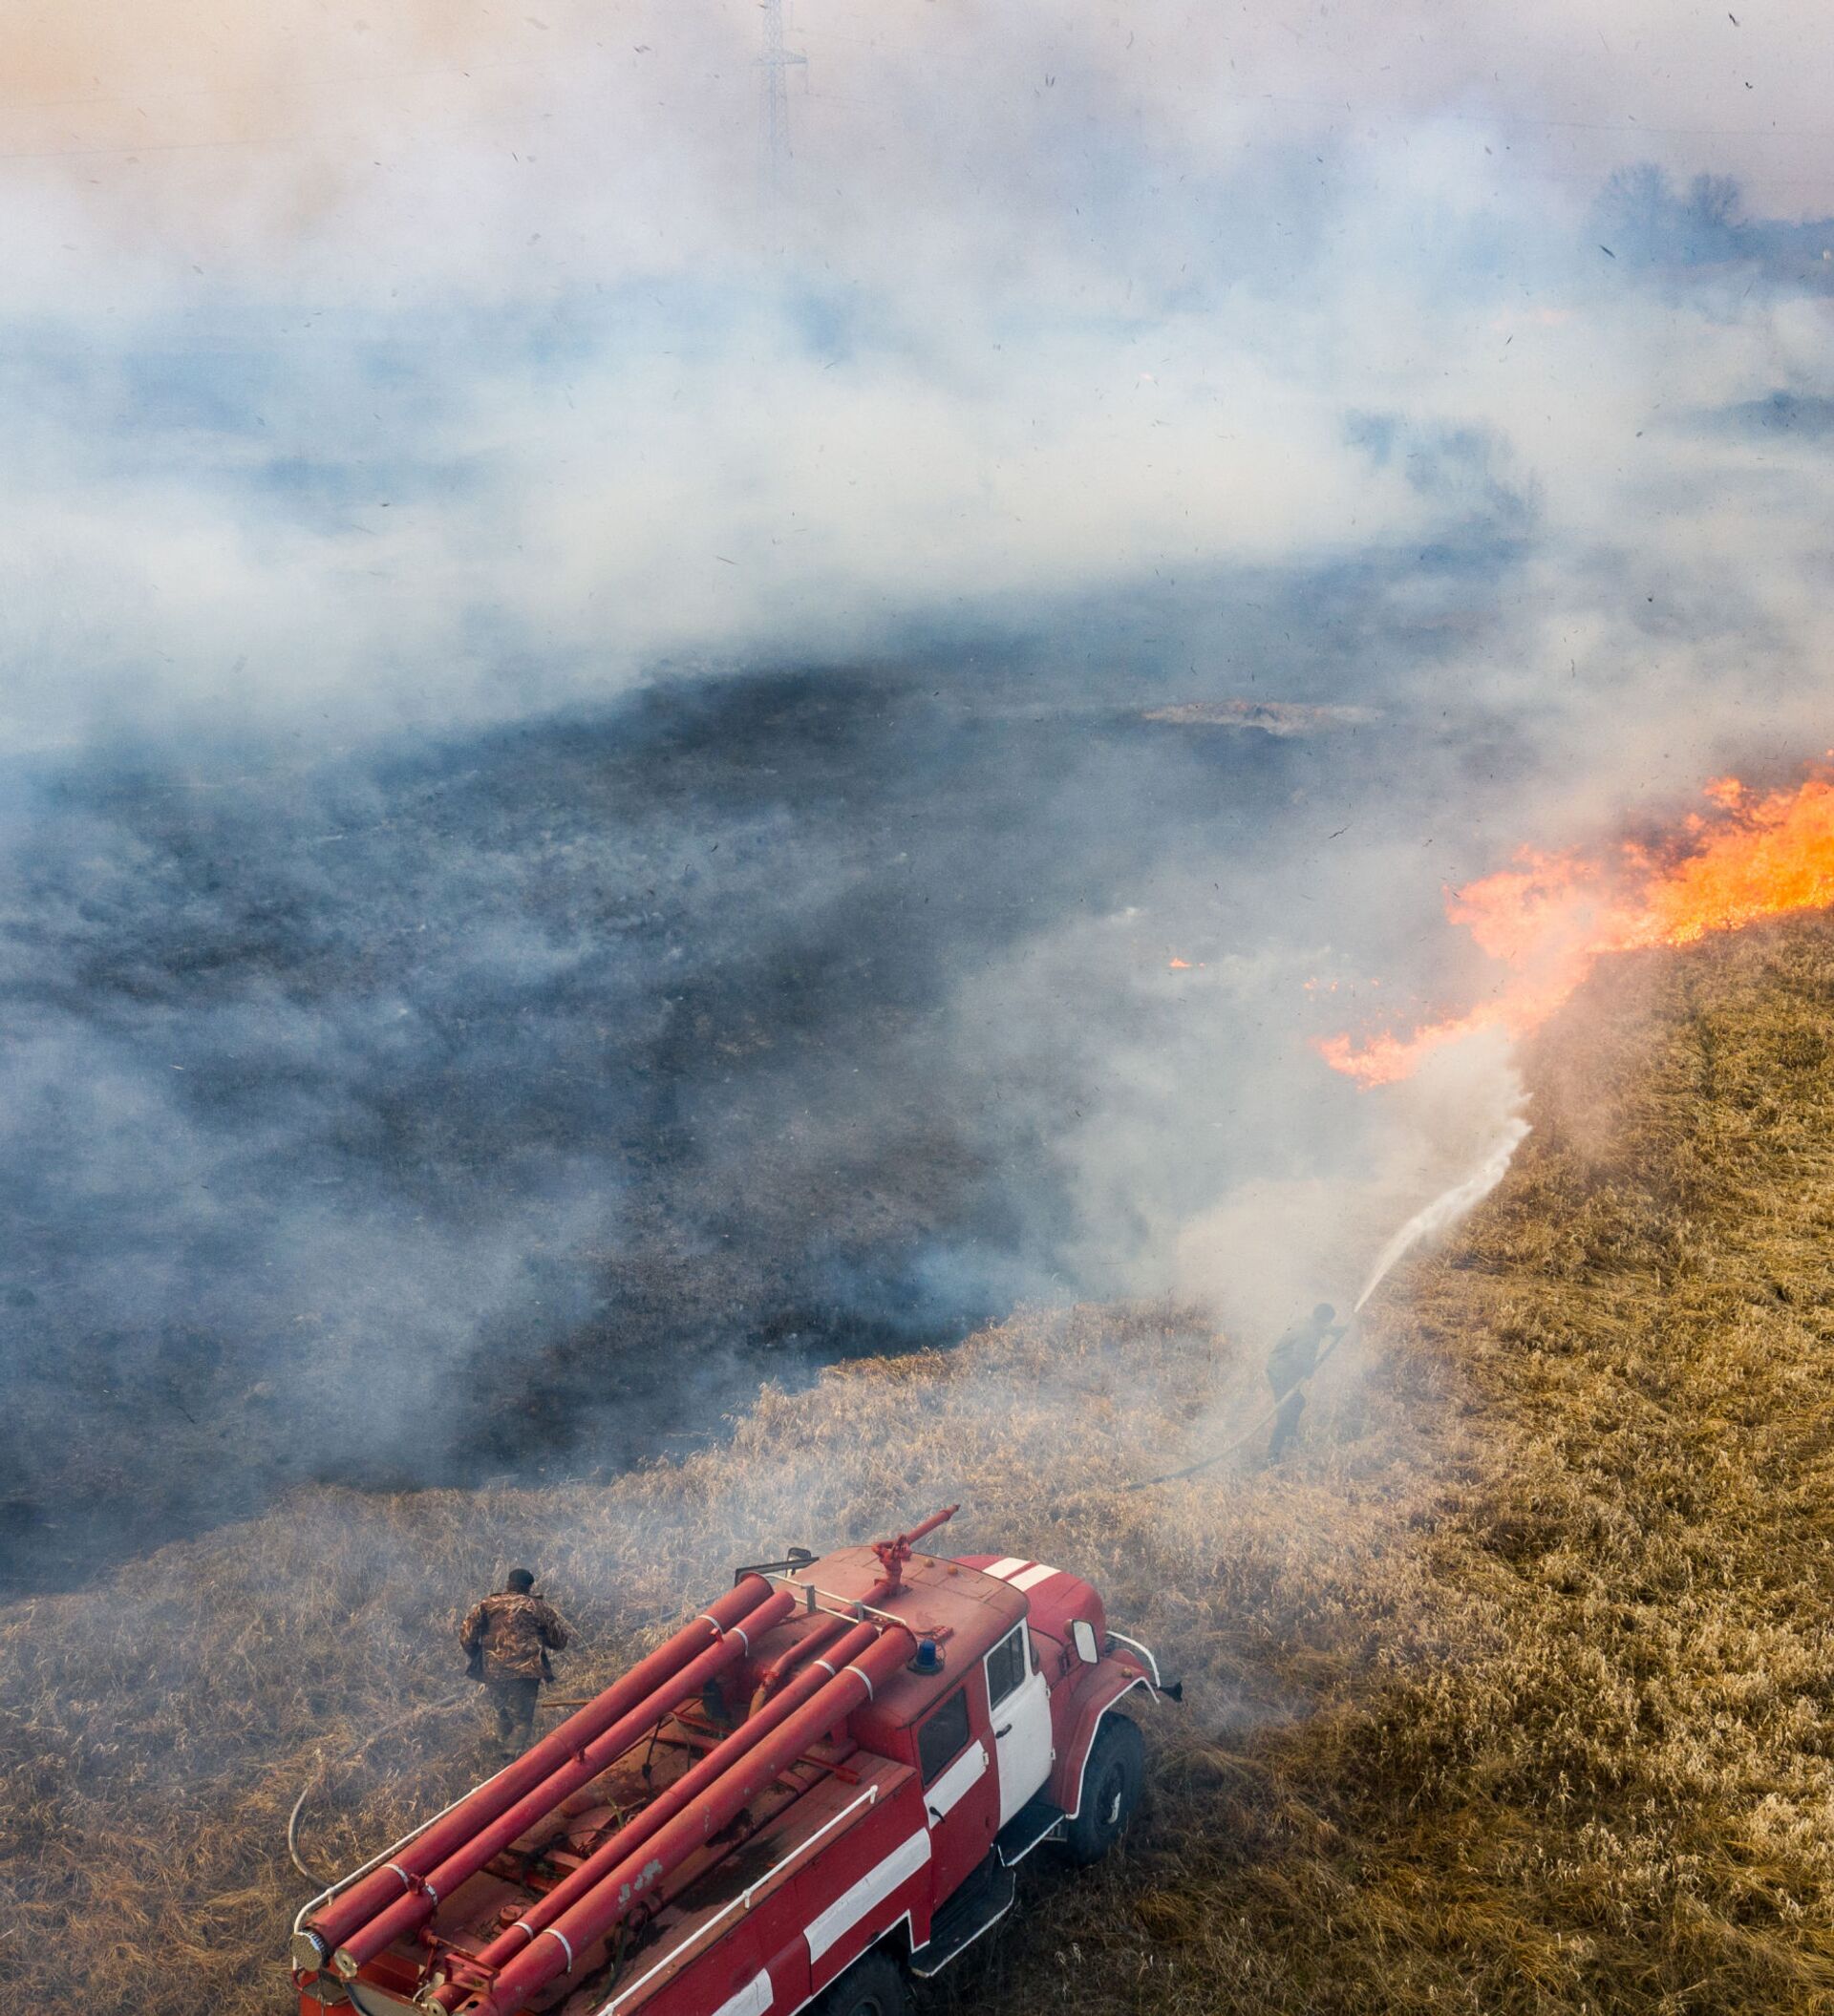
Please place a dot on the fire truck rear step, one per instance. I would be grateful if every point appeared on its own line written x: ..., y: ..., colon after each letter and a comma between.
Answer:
x: 1036, y: 1821
x: 976, y: 1908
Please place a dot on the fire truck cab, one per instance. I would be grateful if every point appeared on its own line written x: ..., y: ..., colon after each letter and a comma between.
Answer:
x: 825, y: 1791
x: 996, y: 1716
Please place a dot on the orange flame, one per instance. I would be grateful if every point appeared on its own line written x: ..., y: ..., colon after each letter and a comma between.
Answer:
x: 1551, y: 918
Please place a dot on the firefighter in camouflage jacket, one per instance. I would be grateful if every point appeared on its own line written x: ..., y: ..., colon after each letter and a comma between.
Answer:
x: 507, y: 1638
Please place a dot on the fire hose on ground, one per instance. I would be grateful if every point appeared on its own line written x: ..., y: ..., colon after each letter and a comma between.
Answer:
x: 311, y: 1786
x: 321, y: 1773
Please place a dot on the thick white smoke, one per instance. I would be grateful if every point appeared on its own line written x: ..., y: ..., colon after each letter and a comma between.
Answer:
x: 441, y: 363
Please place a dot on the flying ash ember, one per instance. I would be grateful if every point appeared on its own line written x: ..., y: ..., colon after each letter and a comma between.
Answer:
x: 1551, y: 919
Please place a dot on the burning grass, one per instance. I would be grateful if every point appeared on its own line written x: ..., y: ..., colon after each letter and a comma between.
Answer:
x: 1514, y: 1691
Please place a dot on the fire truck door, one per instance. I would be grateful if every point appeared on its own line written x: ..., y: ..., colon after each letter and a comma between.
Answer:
x: 959, y: 1790
x: 1018, y: 1698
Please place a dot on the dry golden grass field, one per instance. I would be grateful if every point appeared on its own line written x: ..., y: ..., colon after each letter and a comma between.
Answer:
x: 1513, y: 1690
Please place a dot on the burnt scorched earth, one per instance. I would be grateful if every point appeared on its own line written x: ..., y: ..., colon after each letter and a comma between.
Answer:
x: 509, y: 1104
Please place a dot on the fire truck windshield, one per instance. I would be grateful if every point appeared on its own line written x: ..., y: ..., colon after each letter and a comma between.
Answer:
x: 1006, y: 1665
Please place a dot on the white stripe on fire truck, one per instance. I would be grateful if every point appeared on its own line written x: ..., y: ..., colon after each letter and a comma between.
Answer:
x: 1000, y: 1570
x: 1032, y: 1577
x: 959, y: 1778
x: 752, y: 1999
x: 873, y: 1888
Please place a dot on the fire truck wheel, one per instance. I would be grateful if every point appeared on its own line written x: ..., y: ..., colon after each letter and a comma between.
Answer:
x: 874, y: 1986
x: 1111, y: 1789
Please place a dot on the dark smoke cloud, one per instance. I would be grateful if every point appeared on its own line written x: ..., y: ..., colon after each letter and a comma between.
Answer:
x: 516, y: 1100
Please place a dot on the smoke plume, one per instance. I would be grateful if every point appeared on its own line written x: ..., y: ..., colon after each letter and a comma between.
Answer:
x: 628, y: 766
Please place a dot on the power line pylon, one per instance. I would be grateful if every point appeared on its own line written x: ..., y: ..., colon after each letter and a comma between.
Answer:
x: 774, y: 61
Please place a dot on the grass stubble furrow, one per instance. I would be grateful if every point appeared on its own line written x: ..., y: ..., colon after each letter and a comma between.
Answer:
x: 1512, y: 1690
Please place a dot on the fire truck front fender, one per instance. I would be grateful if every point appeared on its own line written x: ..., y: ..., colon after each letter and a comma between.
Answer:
x: 1107, y: 1685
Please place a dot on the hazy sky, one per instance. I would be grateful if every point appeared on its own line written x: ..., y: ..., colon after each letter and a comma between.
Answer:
x: 353, y: 355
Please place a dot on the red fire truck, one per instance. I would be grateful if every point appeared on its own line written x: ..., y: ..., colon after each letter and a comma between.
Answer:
x: 817, y: 1788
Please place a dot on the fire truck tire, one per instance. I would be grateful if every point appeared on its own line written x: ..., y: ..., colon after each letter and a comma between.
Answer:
x: 874, y: 1986
x: 1111, y: 1789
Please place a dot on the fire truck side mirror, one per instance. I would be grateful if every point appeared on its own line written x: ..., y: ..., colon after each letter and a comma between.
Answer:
x: 1083, y: 1635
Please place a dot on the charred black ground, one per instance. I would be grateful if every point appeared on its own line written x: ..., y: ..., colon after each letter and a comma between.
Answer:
x: 508, y: 1103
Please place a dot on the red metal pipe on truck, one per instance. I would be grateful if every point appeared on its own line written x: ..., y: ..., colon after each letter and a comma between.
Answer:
x: 664, y: 1808
x: 642, y: 1876
x: 343, y: 1912
x: 799, y: 1654
x: 413, y: 1909
x: 646, y: 1825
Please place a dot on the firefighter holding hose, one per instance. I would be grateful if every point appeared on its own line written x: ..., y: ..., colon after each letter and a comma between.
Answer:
x: 1291, y: 1362
x: 507, y: 1637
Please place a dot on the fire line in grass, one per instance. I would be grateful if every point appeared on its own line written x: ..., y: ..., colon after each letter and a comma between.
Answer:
x: 1550, y: 918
